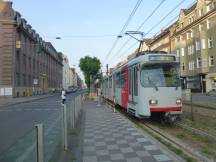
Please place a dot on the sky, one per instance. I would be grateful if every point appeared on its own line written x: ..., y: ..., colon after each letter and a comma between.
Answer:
x: 90, y: 27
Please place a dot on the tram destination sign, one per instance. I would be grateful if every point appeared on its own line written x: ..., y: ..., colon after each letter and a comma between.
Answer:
x: 162, y: 58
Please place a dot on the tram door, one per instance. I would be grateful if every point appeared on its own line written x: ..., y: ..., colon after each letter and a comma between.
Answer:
x: 133, y: 85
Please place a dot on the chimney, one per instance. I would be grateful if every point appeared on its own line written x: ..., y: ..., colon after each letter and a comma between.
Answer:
x: 8, y: 3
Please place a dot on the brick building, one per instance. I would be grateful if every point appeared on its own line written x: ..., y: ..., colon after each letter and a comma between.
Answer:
x: 28, y: 64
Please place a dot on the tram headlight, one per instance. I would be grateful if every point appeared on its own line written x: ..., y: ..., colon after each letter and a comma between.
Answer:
x: 178, y: 101
x: 153, y: 102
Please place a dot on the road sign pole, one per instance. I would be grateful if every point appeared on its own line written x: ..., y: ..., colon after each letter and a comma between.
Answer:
x: 65, y: 127
x: 40, y: 143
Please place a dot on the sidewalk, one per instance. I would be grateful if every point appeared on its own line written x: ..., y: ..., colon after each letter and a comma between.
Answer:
x: 108, y: 136
x: 12, y: 101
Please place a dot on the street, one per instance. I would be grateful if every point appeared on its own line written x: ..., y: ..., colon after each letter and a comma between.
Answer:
x: 17, y: 120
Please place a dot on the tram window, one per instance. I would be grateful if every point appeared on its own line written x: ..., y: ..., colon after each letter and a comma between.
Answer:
x: 110, y: 82
x: 122, y: 79
x: 118, y: 80
x: 135, y: 82
x: 165, y: 75
x: 106, y: 83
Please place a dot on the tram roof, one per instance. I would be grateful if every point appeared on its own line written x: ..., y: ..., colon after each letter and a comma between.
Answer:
x: 143, y: 57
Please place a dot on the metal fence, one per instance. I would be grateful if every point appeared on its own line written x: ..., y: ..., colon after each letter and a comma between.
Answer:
x: 48, y: 138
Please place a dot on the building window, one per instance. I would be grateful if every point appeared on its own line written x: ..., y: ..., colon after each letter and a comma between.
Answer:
x: 190, y: 20
x: 191, y: 65
x: 24, y: 80
x: 211, y: 60
x: 201, y: 26
x: 203, y: 44
x: 17, y: 79
x: 29, y: 60
x: 182, y: 51
x: 201, y: 12
x: 178, y: 52
x: 17, y: 60
x: 191, y: 49
x: 190, y: 34
x: 182, y: 25
x: 198, y: 45
x: 210, y: 7
x: 183, y: 66
x: 29, y: 80
x: 199, y: 62
x: 210, y: 42
x: 178, y: 39
x: 209, y: 24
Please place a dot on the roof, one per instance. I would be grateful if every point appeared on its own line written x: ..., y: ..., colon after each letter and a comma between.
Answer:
x: 190, y: 9
x: 148, y: 40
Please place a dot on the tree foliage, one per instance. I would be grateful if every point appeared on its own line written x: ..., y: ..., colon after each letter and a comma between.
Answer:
x: 90, y: 66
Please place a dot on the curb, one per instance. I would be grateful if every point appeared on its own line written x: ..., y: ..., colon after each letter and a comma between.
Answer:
x: 27, y: 101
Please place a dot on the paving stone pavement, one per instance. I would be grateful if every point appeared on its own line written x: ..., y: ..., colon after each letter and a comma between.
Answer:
x: 109, y: 136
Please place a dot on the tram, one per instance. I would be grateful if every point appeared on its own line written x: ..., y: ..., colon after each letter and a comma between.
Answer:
x: 146, y: 85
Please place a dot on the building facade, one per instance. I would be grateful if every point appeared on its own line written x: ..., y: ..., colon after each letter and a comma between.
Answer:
x: 194, y: 42
x: 66, y: 73
x: 146, y: 44
x: 28, y: 64
x: 161, y: 41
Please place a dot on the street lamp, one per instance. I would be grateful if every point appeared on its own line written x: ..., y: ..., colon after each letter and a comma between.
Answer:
x: 58, y: 37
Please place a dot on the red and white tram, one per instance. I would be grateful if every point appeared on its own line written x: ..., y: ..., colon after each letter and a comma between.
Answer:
x: 146, y: 85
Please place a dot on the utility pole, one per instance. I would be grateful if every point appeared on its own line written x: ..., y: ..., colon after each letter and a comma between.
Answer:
x: 107, y: 69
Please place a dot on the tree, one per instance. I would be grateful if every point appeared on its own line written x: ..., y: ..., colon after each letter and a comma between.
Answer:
x: 90, y: 67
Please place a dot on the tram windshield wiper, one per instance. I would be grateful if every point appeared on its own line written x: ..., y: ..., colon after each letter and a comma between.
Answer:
x: 152, y: 83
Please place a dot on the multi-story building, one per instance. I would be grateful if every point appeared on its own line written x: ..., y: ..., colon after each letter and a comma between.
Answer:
x: 161, y: 41
x: 71, y: 80
x: 28, y: 64
x: 194, y: 42
x: 79, y: 82
x: 66, y: 73
x: 146, y: 44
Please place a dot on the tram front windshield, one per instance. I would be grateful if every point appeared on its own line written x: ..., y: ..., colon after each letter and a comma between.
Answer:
x: 161, y: 75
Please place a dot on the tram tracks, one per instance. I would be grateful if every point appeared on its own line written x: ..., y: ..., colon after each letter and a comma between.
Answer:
x: 171, y: 141
x: 184, y: 150
x: 196, y: 131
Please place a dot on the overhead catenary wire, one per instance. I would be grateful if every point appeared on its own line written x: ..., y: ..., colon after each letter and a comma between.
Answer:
x: 84, y: 36
x: 123, y: 28
x: 143, y: 23
x: 154, y: 26
x: 179, y: 4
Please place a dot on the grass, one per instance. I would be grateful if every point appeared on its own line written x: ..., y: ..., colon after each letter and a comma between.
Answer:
x: 180, y: 135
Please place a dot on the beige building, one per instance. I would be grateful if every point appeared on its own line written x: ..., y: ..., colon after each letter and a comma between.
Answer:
x: 146, y: 44
x: 28, y: 64
x: 194, y: 42
x: 161, y: 42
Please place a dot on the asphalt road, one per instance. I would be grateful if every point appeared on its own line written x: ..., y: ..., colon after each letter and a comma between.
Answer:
x: 17, y: 120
